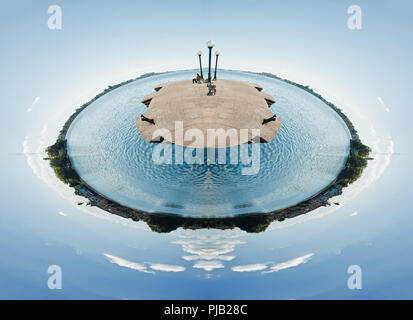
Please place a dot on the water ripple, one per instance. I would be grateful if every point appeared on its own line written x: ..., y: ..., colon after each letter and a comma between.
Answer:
x: 108, y: 153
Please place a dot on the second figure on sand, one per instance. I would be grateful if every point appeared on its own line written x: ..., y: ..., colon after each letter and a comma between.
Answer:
x: 197, y: 79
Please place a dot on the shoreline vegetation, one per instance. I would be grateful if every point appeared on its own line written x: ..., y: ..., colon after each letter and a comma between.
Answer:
x: 252, y: 222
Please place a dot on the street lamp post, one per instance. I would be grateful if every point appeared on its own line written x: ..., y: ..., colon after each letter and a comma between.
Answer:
x: 199, y: 53
x: 216, y: 63
x: 210, y: 44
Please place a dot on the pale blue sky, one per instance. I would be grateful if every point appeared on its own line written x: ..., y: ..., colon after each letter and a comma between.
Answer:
x: 105, y: 42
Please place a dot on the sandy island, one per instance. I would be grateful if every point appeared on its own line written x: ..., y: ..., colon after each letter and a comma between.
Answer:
x: 252, y: 222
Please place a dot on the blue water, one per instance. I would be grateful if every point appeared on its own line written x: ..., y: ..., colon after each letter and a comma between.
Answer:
x: 108, y: 152
x: 42, y: 224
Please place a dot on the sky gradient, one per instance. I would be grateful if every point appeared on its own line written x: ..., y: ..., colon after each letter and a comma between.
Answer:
x: 47, y: 73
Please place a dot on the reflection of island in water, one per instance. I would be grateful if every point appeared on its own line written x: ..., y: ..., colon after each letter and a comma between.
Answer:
x: 253, y: 222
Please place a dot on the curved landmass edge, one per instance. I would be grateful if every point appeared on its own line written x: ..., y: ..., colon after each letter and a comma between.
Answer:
x: 252, y: 222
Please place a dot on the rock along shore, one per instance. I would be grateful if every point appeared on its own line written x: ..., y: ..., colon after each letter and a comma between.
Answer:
x: 253, y: 222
